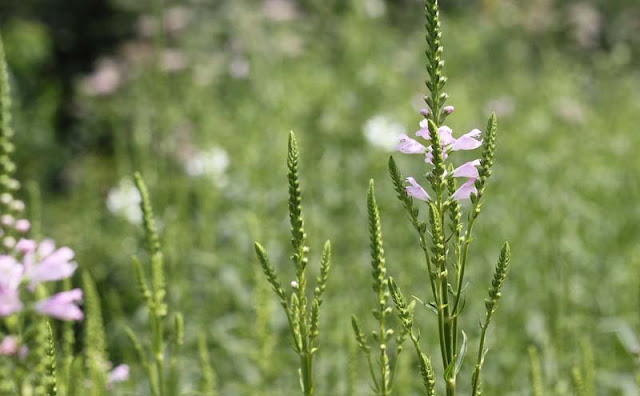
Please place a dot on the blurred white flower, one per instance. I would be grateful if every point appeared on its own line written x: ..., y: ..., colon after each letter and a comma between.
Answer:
x: 375, y: 8
x: 239, y: 67
x: 280, y: 10
x: 383, y: 132
x: 176, y: 19
x: 212, y: 162
x: 503, y: 106
x: 124, y: 200
x: 105, y: 79
x: 173, y: 60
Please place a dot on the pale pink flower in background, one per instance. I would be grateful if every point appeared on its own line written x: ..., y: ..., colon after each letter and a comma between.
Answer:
x: 104, y: 80
x: 280, y: 10
x: 11, y: 273
x: 7, y: 220
x: 173, y: 61
x: 124, y: 200
x: 382, y: 131
x: 62, y: 305
x: 9, y: 346
x: 176, y: 19
x: 119, y: 373
x: 22, y: 225
x: 48, y: 263
x: 25, y: 246
x: 17, y: 205
x: 415, y: 190
x: 239, y: 67
x: 9, y: 242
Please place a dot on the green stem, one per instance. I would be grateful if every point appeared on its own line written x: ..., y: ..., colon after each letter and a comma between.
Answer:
x: 476, y: 372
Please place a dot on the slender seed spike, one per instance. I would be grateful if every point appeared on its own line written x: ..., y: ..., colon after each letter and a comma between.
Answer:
x: 153, y: 242
x: 537, y: 388
x: 270, y: 272
x: 208, y: 382
x: 325, y: 265
x: 428, y: 377
x: 52, y: 389
x: 94, y: 339
x: 298, y: 236
x: 143, y: 289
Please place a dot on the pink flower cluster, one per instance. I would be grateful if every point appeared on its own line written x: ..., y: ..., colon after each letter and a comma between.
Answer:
x: 32, y: 264
x: 448, y: 144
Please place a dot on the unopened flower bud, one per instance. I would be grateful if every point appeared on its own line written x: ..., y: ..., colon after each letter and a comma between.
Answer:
x: 7, y: 220
x: 6, y: 198
x: 448, y: 109
x: 294, y: 284
x: 17, y: 205
x: 9, y: 242
x: 22, y: 225
x: 25, y: 246
x: 424, y: 112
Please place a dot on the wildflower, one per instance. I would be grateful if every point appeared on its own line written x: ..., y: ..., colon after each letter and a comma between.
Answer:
x: 62, y: 305
x: 448, y: 144
x: 10, y: 276
x: 124, y: 200
x: 448, y: 109
x: 7, y: 220
x: 9, y: 346
x: 381, y: 131
x: 17, y: 205
x: 25, y: 246
x: 416, y: 191
x: 213, y: 163
x: 22, y: 225
x: 119, y: 374
x: 48, y: 263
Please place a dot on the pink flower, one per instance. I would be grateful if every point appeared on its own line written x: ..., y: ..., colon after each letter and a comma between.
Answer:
x: 119, y: 374
x: 467, y: 141
x: 25, y: 246
x: 22, y: 225
x: 467, y: 169
x: 62, y: 305
x: 415, y: 190
x: 48, y: 264
x: 465, y: 190
x: 444, y: 133
x: 10, y: 276
x: 410, y: 146
x: 9, y: 346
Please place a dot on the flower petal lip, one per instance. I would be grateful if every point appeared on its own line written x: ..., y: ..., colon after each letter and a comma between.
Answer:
x: 467, y: 141
x: 410, y: 146
x: 415, y: 190
x: 62, y: 305
x: 465, y: 190
x: 467, y: 169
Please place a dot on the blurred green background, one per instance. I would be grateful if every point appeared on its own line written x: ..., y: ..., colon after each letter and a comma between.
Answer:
x: 200, y: 96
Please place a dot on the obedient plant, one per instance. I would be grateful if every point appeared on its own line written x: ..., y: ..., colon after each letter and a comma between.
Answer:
x: 383, y: 375
x: 445, y: 237
x: 28, y: 269
x: 161, y: 372
x: 304, y: 320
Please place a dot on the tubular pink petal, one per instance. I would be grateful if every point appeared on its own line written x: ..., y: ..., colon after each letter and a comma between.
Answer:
x: 9, y: 302
x: 62, y: 305
x: 410, y: 146
x: 467, y: 141
x: 467, y: 169
x: 465, y: 190
x: 446, y: 136
x: 415, y: 190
